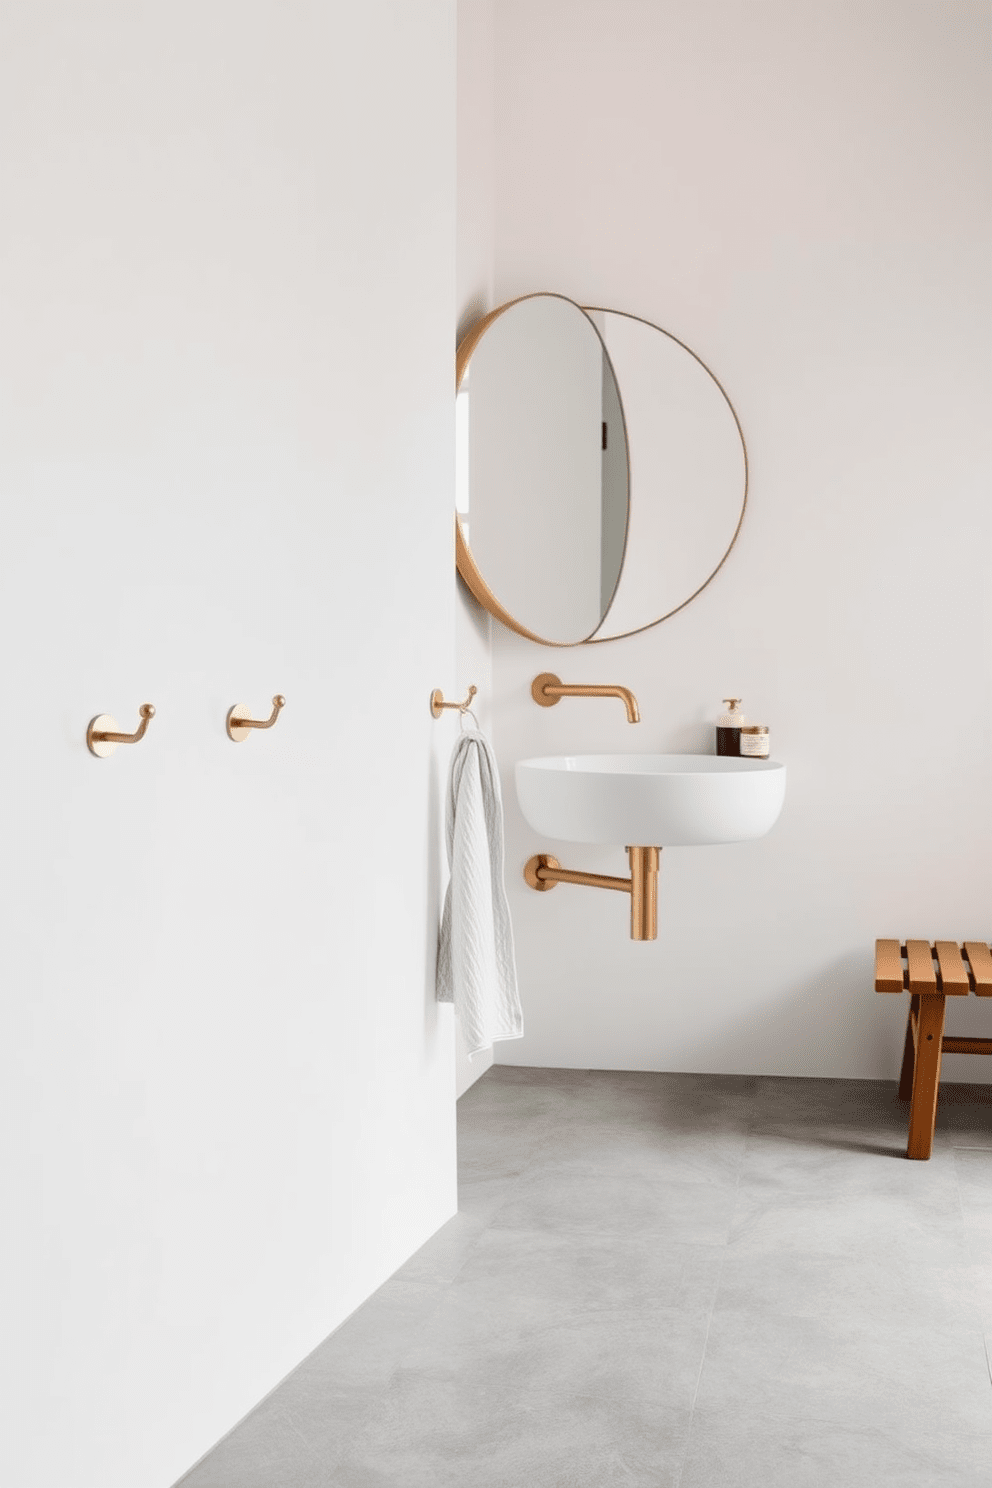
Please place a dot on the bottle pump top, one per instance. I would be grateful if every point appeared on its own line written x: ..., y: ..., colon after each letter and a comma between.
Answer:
x: 735, y: 717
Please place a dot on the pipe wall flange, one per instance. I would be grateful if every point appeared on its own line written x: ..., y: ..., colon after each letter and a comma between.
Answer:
x: 540, y: 860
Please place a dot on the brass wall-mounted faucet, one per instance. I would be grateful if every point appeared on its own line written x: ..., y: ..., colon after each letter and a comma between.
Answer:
x: 547, y: 689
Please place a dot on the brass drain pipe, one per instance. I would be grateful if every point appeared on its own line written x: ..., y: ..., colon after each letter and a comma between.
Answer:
x: 544, y: 872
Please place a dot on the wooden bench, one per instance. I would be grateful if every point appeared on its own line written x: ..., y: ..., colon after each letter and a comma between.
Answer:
x: 930, y: 974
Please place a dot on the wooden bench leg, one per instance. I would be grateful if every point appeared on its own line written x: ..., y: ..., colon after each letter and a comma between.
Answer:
x: 909, y: 1052
x: 926, y: 1075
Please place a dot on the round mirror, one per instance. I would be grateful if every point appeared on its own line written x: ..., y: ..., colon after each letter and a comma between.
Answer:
x: 542, y: 479
x: 683, y: 503
x: 688, y: 472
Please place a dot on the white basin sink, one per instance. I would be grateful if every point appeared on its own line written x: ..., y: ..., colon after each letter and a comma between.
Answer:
x: 650, y: 800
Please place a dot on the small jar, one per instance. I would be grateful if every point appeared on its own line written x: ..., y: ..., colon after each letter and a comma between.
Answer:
x: 754, y: 741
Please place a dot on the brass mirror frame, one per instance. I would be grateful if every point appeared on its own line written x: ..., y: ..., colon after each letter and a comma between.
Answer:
x: 464, y: 562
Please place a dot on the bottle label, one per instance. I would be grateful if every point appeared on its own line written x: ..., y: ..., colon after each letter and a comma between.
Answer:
x: 755, y: 745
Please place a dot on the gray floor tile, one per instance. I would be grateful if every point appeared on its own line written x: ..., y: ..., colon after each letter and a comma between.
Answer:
x: 482, y: 1198
x: 871, y: 1368
x: 294, y: 1439
x: 915, y: 1227
x: 870, y: 1106
x: 974, y: 1175
x: 845, y: 1292
x: 629, y: 1244
x: 576, y: 1315
x: 429, y: 1434
x: 499, y: 1075
x: 446, y: 1252
x: 607, y: 1203
x: 731, y: 1447
x: 844, y: 1164
x: 491, y: 1148
x: 363, y: 1353
x: 964, y: 1117
x: 564, y: 1273
x: 643, y: 1147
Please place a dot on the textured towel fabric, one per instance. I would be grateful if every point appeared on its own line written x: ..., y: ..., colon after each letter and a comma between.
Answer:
x: 475, y: 966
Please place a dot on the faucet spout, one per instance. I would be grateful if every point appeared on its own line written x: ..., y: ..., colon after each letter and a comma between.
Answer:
x: 547, y: 689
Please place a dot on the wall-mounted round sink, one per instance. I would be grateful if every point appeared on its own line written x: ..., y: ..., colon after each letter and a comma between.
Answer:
x: 666, y: 800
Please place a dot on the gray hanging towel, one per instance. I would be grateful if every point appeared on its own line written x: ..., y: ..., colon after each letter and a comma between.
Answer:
x: 475, y: 965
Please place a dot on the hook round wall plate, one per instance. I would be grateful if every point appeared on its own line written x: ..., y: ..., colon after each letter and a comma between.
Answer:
x: 103, y: 723
x: 240, y: 710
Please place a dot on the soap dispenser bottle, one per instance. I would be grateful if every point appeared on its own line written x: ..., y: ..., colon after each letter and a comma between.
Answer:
x: 728, y: 728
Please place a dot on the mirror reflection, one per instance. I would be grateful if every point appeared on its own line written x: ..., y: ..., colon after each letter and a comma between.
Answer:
x: 688, y: 472
x: 542, y: 489
x: 565, y: 540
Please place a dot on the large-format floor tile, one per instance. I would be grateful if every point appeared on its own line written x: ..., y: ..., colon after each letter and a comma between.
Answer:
x: 859, y: 1369
x: 294, y: 1439
x: 598, y: 1202
x: 643, y: 1148
x: 973, y: 1168
x: 844, y: 1164
x: 363, y: 1353
x: 425, y: 1434
x: 675, y: 1281
x: 964, y: 1117
x: 843, y: 1291
x: 491, y: 1148
x: 974, y: 1175
x: 444, y: 1254
x: 740, y: 1448
x: 481, y: 1198
x: 867, y: 1106
x: 560, y: 1273
x: 920, y: 1227
x: 618, y: 1319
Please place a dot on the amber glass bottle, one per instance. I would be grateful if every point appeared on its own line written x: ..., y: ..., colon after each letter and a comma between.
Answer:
x: 728, y: 728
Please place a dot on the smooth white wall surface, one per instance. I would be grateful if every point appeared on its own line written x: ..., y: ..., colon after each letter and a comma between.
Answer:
x: 226, y: 465
x: 799, y: 192
x: 474, y: 298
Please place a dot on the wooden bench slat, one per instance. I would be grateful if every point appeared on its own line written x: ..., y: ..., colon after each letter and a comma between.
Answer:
x: 981, y: 966
x: 888, y: 967
x: 954, y: 977
x: 922, y: 973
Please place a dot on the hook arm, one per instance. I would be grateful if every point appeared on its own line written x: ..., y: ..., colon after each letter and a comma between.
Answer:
x: 238, y: 722
x: 438, y: 704
x: 112, y: 737
x: 278, y: 703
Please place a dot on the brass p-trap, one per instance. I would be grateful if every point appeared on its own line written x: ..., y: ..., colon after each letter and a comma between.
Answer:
x: 544, y: 872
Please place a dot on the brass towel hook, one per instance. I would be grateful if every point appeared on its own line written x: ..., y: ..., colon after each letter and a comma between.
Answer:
x: 239, y: 724
x: 438, y: 704
x: 103, y: 736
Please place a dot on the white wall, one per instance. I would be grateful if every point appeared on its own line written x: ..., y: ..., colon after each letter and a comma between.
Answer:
x: 227, y: 470
x: 800, y: 192
x: 474, y: 297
